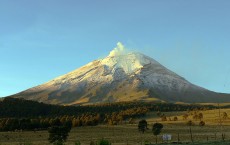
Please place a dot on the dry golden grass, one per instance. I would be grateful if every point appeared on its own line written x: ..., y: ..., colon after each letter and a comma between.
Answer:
x: 128, y: 134
x: 214, y: 104
x: 210, y: 117
x: 118, y: 135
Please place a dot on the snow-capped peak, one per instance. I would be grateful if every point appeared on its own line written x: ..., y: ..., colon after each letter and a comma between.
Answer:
x: 122, y: 58
x: 121, y: 76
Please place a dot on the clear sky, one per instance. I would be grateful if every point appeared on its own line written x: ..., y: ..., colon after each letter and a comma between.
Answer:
x: 42, y: 39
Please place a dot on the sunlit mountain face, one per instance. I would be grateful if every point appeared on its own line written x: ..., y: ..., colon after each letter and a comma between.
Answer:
x: 121, y: 76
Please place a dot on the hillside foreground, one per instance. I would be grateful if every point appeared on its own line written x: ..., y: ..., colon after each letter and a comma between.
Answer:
x: 118, y: 135
x: 127, y: 134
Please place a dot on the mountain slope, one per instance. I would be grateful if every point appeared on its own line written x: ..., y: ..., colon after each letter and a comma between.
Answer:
x: 121, y: 76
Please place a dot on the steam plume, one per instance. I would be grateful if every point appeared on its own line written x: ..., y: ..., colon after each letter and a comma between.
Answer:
x: 119, y: 50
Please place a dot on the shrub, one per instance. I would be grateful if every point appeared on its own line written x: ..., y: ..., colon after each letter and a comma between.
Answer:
x: 103, y: 142
x: 225, y: 115
x: 147, y: 143
x: 202, y: 123
x: 142, y: 126
x: 58, y: 134
x: 92, y: 143
x: 58, y: 143
x: 77, y: 143
x: 156, y: 129
x: 185, y: 116
x: 190, y: 123
x: 175, y: 118
x: 163, y: 118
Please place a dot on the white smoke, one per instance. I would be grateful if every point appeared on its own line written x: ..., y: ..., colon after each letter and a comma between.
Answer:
x: 119, y: 50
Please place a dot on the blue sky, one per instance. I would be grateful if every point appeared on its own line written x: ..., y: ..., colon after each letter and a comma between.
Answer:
x: 40, y: 40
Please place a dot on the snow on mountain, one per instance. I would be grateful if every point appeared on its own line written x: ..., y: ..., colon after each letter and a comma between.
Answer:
x: 121, y: 76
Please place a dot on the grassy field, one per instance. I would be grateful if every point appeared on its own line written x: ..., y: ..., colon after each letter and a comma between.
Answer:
x: 128, y: 134
x: 211, y: 117
x: 118, y: 135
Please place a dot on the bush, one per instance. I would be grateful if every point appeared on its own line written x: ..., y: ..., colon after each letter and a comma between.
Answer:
x: 175, y: 118
x: 58, y: 134
x: 103, y: 142
x: 58, y: 143
x: 190, y: 123
x: 202, y: 123
x: 142, y: 126
x: 147, y: 143
x: 156, y: 129
x: 163, y: 118
x: 78, y: 143
x: 92, y: 143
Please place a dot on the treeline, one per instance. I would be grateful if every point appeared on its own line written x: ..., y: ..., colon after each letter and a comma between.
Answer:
x: 16, y: 124
x: 20, y: 114
x: 20, y: 108
x: 43, y: 123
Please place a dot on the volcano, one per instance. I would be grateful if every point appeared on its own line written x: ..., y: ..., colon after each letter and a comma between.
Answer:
x: 121, y: 76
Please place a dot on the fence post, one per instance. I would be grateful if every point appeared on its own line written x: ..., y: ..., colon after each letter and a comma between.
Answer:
x: 190, y: 130
x: 223, y: 136
x: 178, y: 137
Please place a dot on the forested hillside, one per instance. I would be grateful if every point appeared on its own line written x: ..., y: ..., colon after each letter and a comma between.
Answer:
x: 20, y: 108
x: 28, y: 115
